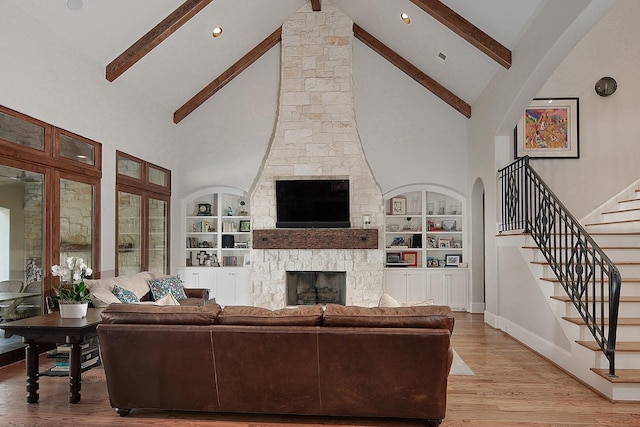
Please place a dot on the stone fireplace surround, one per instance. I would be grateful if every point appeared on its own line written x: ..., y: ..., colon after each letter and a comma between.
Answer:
x: 316, y: 137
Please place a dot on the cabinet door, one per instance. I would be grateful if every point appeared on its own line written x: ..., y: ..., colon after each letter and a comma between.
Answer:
x: 200, y: 278
x: 416, y: 286
x: 437, y: 287
x: 458, y: 290
x: 233, y: 287
x: 395, y: 284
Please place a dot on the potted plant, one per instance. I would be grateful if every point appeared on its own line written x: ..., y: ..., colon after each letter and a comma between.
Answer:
x: 72, y: 293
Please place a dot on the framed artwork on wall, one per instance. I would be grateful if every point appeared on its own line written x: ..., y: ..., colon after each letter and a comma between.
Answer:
x: 549, y: 128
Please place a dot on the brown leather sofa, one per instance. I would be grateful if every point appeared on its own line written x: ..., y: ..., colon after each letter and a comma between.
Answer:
x: 337, y: 361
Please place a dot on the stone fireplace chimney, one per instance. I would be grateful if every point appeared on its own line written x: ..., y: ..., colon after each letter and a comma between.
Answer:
x: 316, y: 137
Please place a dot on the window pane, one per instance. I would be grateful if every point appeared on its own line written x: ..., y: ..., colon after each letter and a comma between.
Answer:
x: 157, y: 236
x: 76, y: 150
x: 157, y: 176
x: 21, y: 132
x: 76, y: 220
x: 129, y: 167
x: 129, y: 233
x: 21, y: 239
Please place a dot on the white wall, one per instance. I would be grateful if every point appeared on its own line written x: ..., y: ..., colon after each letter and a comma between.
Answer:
x: 42, y: 77
x: 609, y: 135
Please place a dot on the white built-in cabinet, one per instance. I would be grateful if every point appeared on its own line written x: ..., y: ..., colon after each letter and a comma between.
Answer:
x: 426, y: 246
x: 216, y: 244
x: 229, y: 285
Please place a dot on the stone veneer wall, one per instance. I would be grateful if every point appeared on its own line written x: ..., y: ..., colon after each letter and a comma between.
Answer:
x: 316, y: 137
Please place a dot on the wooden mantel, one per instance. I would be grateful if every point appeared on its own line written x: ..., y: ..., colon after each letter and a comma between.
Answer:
x: 315, y: 238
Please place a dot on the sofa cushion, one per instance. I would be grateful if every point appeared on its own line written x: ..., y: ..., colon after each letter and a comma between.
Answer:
x: 101, y: 297
x: 428, y: 316
x: 125, y: 295
x: 308, y: 315
x: 164, y: 285
x: 387, y: 300
x: 136, y: 283
x: 168, y: 299
x: 160, y: 314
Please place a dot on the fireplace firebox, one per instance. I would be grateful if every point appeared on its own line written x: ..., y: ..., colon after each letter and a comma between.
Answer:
x: 316, y: 287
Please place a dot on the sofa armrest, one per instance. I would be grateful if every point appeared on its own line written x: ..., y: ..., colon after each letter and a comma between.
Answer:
x: 197, y: 293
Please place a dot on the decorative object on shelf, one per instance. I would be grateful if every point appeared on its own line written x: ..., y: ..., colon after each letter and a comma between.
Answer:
x: 399, y: 242
x: 432, y: 242
x: 398, y: 206
x: 449, y: 225
x: 245, y: 225
x: 366, y: 220
x: 242, y: 211
x: 204, y: 209
x: 393, y: 227
x: 457, y: 244
x: 72, y: 294
x: 407, y: 226
x: 442, y: 204
x: 393, y: 257
x: 229, y: 211
x: 548, y: 129
x: 445, y: 242
x: 452, y: 260
x: 430, y: 207
x: 411, y: 258
x: 455, y: 209
x: 202, y: 258
x: 432, y: 262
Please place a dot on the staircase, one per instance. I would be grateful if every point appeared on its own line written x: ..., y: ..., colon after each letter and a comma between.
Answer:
x: 617, y: 232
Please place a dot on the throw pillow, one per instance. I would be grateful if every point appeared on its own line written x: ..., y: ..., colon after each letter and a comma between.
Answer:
x: 164, y: 285
x: 168, y: 299
x: 387, y: 300
x: 101, y: 297
x: 125, y: 295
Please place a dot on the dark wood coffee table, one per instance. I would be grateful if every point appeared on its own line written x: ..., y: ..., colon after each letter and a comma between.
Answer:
x: 51, y: 328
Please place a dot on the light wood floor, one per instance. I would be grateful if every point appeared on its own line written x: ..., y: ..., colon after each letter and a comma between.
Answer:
x: 511, y: 387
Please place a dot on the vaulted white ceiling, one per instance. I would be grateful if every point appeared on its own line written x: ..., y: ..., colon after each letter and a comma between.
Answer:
x: 191, y: 58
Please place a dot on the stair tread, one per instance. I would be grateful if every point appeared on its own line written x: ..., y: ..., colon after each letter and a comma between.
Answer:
x: 623, y: 375
x: 622, y: 321
x: 621, y: 346
x: 567, y: 298
x: 605, y: 248
x: 625, y: 280
x: 624, y: 221
x: 621, y: 210
x: 544, y: 262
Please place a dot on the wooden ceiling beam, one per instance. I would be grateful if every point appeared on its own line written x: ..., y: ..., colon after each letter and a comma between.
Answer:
x: 227, y: 76
x: 154, y: 37
x: 466, y: 30
x: 412, y: 71
x: 316, y: 5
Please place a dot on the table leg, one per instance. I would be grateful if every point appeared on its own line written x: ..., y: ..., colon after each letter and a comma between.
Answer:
x: 75, y: 373
x: 31, y: 356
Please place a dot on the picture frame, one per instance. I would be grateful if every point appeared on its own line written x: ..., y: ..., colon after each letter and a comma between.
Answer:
x: 432, y: 262
x: 398, y: 206
x: 449, y: 225
x: 549, y: 128
x: 445, y: 242
x: 393, y: 257
x: 411, y: 257
x: 452, y: 260
x: 245, y: 225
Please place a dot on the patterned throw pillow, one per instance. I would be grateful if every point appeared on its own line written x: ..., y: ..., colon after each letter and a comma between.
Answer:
x: 164, y: 285
x: 125, y: 295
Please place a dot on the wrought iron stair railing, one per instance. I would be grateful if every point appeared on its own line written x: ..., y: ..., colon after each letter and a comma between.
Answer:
x: 585, y: 272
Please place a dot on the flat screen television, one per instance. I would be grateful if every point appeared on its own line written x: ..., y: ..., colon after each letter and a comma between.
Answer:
x: 312, y: 203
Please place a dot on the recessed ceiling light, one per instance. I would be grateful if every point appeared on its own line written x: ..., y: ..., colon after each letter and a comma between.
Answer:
x: 217, y: 32
x: 405, y: 18
x: 74, y: 4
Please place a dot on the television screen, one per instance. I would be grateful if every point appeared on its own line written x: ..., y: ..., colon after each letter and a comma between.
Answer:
x: 310, y: 203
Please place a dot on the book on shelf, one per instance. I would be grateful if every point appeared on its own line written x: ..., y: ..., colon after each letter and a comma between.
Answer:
x: 62, y: 359
x: 66, y: 348
x: 230, y: 261
x: 86, y: 364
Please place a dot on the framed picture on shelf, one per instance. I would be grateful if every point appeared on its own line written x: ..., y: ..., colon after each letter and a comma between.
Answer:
x: 548, y: 128
x: 411, y: 258
x: 393, y: 257
x: 452, y: 260
x: 449, y: 225
x: 245, y: 225
x: 432, y: 262
x: 445, y: 242
x: 432, y: 242
x: 398, y: 206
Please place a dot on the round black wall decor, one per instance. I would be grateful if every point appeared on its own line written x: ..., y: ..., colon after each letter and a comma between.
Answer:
x: 606, y: 86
